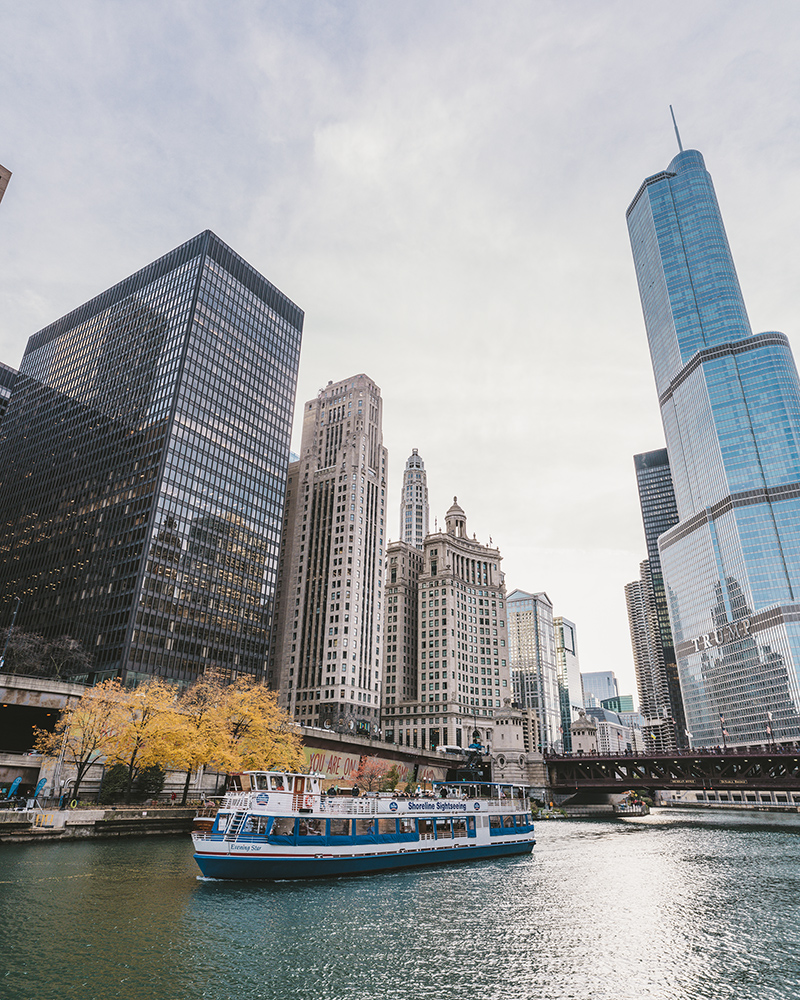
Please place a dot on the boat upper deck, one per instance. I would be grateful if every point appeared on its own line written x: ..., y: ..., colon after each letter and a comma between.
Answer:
x: 282, y: 793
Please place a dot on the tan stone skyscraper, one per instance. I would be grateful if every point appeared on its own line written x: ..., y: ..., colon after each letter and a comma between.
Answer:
x: 459, y: 627
x: 326, y: 664
x: 414, y: 503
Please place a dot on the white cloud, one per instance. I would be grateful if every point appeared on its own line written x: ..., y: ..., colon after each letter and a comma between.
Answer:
x: 441, y: 186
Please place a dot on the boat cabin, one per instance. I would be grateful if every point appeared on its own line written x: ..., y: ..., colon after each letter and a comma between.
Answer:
x: 274, y: 781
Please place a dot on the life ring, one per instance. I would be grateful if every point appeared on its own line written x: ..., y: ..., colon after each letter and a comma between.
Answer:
x: 73, y: 804
x: 308, y: 801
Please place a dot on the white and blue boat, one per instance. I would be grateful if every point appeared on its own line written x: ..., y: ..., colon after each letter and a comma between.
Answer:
x: 277, y: 825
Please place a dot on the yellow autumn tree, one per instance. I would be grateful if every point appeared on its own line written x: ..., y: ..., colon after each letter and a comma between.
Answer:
x: 146, y: 716
x: 258, y: 733
x: 197, y: 735
x: 86, y: 732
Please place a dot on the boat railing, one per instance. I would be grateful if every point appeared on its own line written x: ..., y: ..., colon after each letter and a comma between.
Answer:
x: 349, y: 807
x: 363, y: 805
x: 237, y: 800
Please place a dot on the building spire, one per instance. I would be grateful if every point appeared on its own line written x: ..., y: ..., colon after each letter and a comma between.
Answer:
x: 677, y: 133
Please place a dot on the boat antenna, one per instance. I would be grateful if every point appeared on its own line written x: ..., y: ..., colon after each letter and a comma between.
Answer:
x: 677, y: 133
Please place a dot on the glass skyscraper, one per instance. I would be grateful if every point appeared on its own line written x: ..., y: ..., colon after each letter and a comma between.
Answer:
x: 570, y: 689
x: 660, y: 698
x: 730, y: 404
x: 533, y: 661
x: 143, y: 464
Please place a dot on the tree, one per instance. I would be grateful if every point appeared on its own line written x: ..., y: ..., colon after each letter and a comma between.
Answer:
x: 85, y: 732
x: 115, y: 781
x: 258, y: 734
x: 198, y: 737
x: 149, y: 781
x: 31, y: 654
x: 390, y: 779
x: 145, y: 719
x: 371, y: 773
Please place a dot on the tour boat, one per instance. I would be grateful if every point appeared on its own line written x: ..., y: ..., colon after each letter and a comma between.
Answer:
x: 277, y: 825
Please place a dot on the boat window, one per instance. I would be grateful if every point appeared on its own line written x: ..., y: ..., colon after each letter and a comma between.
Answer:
x: 310, y: 827
x: 471, y: 825
x: 256, y: 824
x: 261, y: 782
x: 443, y: 829
x: 387, y: 824
x: 495, y: 822
x: 222, y: 821
x: 459, y: 827
x: 364, y: 827
x: 283, y: 826
x: 341, y: 827
x: 407, y: 825
x: 508, y: 821
x: 277, y: 782
x: 425, y: 828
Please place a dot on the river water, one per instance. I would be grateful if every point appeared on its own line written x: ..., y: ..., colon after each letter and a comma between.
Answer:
x: 674, y: 905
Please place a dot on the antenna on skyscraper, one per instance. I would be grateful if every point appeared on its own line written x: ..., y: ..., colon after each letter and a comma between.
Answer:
x: 677, y: 133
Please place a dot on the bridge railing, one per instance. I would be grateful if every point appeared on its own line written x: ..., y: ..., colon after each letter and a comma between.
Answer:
x: 749, y: 751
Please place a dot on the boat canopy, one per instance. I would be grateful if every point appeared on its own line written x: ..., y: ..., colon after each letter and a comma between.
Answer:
x: 276, y: 781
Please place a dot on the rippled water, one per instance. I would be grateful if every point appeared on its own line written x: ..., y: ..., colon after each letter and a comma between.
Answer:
x: 677, y: 905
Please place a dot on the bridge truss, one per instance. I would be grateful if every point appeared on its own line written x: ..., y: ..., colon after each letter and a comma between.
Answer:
x: 704, y: 771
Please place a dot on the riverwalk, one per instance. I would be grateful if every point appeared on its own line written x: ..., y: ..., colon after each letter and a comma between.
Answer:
x: 47, y: 826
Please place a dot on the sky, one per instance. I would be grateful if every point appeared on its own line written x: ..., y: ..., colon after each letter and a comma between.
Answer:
x: 441, y: 186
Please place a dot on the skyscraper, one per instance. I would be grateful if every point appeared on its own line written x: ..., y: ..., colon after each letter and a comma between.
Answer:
x: 143, y: 465
x: 570, y: 692
x: 414, y: 502
x: 462, y: 674
x: 730, y: 405
x: 404, y: 564
x: 599, y: 686
x: 327, y: 663
x: 5, y: 177
x: 648, y: 614
x: 648, y: 658
x: 8, y: 376
x: 532, y: 656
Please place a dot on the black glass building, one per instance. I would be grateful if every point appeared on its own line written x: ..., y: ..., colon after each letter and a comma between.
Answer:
x: 660, y: 695
x: 8, y: 377
x: 143, y: 464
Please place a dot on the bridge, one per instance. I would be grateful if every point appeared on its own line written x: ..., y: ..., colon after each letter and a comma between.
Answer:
x: 696, y: 769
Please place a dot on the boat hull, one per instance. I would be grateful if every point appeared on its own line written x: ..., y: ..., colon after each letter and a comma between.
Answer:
x: 277, y: 867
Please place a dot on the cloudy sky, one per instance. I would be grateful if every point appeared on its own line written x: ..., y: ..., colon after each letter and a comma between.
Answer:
x: 442, y: 187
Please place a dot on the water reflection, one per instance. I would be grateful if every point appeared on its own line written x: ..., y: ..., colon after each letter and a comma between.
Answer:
x: 676, y: 905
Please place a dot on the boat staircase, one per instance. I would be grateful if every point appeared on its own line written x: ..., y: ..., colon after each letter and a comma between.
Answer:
x: 236, y: 825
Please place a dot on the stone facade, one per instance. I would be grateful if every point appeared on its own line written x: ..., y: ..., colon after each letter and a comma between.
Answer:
x: 459, y: 629
x: 327, y: 665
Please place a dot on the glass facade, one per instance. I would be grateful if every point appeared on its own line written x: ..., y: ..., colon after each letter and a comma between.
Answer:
x: 534, y: 670
x: 570, y: 690
x: 8, y: 376
x: 648, y: 613
x: 144, y: 458
x: 730, y: 404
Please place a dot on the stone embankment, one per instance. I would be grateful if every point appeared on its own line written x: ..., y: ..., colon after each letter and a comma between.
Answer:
x: 47, y: 826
